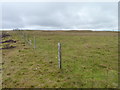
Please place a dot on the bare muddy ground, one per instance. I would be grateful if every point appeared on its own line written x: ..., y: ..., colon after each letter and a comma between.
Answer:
x: 6, y: 43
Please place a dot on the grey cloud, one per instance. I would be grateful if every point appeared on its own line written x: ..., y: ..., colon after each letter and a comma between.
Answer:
x: 60, y: 15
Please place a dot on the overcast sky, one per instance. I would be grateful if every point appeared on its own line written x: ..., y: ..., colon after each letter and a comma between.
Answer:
x: 60, y: 15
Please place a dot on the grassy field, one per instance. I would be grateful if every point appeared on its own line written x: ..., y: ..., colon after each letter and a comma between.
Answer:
x: 89, y: 60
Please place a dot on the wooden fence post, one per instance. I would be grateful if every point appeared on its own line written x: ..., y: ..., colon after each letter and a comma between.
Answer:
x: 30, y: 42
x: 59, y: 56
x: 34, y: 43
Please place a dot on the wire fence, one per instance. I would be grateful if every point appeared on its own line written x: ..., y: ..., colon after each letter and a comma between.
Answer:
x: 31, y: 40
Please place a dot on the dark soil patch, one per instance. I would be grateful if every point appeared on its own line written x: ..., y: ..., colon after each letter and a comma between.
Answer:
x: 9, y: 41
x: 9, y: 47
x: 4, y: 35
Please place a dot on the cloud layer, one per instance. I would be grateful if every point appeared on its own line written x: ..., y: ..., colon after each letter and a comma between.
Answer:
x: 51, y: 15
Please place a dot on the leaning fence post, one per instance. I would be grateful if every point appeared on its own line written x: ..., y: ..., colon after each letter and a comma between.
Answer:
x: 34, y: 43
x: 59, y: 56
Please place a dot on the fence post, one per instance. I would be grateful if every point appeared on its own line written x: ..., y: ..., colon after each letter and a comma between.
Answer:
x: 59, y: 56
x: 34, y: 43
x: 30, y: 42
x: 26, y: 38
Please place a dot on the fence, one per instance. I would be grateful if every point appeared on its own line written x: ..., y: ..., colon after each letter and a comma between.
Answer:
x: 33, y: 43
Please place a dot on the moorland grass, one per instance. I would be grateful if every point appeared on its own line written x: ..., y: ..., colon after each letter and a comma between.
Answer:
x: 89, y: 60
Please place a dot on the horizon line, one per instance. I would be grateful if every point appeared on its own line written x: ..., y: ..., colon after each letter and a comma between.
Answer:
x: 61, y: 29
